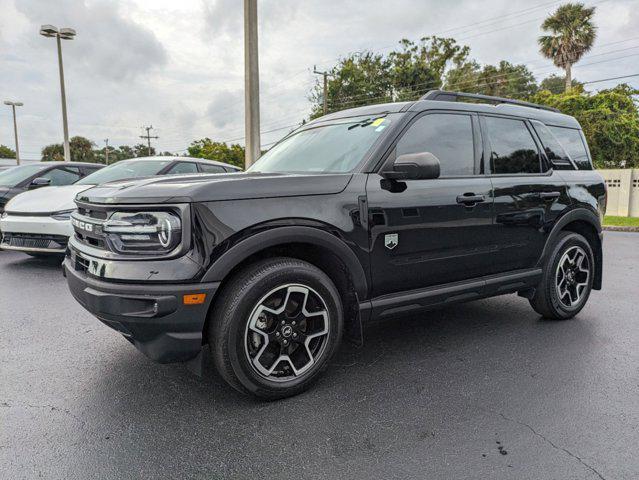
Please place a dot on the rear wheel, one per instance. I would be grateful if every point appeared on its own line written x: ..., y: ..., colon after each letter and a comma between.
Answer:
x: 275, y: 327
x: 567, y: 280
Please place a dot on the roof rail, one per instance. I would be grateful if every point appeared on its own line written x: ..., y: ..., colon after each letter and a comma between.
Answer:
x: 445, y: 96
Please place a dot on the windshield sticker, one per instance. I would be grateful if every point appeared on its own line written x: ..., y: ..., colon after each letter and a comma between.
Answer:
x: 378, y: 122
x: 380, y: 128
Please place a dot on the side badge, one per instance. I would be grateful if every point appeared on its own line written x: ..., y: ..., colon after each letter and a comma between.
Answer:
x: 391, y: 240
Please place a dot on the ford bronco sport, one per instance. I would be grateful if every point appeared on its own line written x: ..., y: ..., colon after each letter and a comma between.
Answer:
x: 358, y: 215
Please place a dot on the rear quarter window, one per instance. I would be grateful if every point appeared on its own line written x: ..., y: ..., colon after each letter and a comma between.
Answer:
x: 573, y: 142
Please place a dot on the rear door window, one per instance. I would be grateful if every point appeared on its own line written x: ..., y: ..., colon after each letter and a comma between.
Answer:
x: 447, y: 136
x: 183, y: 167
x: 513, y: 149
x: 209, y: 168
x: 572, y: 141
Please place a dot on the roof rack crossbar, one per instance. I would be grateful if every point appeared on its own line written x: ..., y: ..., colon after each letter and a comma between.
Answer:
x: 446, y: 96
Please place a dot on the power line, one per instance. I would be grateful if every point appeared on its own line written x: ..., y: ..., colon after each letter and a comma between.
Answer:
x: 611, y: 78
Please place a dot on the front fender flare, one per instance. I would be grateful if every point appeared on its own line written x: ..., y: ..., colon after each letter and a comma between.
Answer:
x: 281, y: 236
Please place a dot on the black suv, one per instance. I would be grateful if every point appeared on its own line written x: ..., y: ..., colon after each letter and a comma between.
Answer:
x: 358, y: 215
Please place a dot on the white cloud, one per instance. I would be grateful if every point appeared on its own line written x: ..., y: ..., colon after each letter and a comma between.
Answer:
x: 179, y: 65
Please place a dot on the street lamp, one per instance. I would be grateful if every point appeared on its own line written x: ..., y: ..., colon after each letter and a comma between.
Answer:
x: 61, y: 34
x: 13, y: 106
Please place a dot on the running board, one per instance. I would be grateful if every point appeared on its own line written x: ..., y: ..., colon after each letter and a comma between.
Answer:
x: 467, y: 290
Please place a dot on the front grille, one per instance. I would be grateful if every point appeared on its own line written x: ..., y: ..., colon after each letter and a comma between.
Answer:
x: 32, y: 240
x: 93, y: 217
x: 92, y: 213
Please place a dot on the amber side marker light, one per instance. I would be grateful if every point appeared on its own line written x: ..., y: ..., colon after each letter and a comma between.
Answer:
x: 194, y: 298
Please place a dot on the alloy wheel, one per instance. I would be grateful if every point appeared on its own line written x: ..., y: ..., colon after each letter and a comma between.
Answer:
x: 287, y: 332
x: 572, y: 276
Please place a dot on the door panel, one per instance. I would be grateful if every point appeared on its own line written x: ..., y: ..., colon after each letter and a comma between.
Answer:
x: 438, y: 240
x: 528, y: 195
x: 525, y: 211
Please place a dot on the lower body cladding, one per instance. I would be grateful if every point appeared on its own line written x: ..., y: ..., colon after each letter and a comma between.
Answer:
x: 34, y: 234
x: 165, y: 322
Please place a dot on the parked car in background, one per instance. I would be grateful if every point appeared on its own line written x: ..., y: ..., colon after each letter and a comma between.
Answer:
x: 22, y: 178
x: 38, y: 223
x: 356, y: 216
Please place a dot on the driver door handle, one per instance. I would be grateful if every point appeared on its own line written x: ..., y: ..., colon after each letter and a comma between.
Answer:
x: 470, y: 199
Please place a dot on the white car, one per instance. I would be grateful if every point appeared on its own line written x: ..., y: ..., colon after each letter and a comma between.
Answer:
x: 38, y: 222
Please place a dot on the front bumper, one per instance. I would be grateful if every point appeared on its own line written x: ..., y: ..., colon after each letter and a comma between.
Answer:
x: 153, y: 317
x: 37, y: 234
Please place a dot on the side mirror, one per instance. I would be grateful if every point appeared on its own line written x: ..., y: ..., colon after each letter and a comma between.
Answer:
x: 414, y: 166
x: 40, y: 182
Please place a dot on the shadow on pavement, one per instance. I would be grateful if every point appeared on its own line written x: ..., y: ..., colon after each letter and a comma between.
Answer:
x: 29, y: 264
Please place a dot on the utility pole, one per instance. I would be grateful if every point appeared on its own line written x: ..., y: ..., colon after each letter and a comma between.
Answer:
x: 106, y: 151
x: 148, y: 137
x: 251, y: 84
x: 325, y: 95
x: 13, y: 106
x: 59, y: 35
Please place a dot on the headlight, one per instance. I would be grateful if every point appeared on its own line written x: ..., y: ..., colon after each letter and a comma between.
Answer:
x: 62, y: 215
x: 143, y: 232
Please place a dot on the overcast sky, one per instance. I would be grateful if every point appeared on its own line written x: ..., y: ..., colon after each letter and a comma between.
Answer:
x: 178, y: 64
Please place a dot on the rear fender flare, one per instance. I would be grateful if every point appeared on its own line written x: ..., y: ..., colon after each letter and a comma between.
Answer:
x: 578, y: 214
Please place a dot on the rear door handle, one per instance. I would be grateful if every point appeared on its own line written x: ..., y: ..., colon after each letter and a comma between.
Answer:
x: 549, y: 195
x: 470, y: 199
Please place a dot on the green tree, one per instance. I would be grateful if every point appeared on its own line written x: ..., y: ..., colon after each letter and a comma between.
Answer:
x: 504, y: 80
x: 219, y: 151
x: 557, y: 84
x: 358, y: 79
x: 6, y: 152
x: 141, y: 150
x: 404, y: 74
x: 420, y: 66
x: 81, y: 150
x: 571, y: 33
x: 53, y: 153
x: 610, y: 121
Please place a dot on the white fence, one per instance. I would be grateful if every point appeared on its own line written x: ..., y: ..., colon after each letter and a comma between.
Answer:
x: 623, y: 191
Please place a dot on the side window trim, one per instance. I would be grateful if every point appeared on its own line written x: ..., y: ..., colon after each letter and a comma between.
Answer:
x: 488, y: 147
x: 390, y: 156
x: 542, y: 148
x: 545, y: 164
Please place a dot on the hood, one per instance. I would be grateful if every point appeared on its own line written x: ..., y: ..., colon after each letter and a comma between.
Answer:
x: 207, y: 188
x: 46, y: 199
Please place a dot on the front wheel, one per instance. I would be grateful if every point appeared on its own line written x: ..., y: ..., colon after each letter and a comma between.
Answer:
x: 275, y: 327
x: 567, y: 280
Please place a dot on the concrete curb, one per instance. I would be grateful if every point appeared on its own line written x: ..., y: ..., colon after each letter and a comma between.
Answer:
x: 612, y: 228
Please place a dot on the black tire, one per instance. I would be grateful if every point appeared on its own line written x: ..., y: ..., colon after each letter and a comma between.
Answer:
x: 239, y: 300
x: 547, y: 300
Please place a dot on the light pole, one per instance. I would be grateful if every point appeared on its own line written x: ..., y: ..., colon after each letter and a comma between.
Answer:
x: 13, y: 106
x: 251, y: 84
x: 59, y: 35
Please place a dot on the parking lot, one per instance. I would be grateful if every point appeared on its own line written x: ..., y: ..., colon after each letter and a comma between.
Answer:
x: 480, y: 390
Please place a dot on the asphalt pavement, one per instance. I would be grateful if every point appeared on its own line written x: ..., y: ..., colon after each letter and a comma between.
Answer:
x: 484, y: 390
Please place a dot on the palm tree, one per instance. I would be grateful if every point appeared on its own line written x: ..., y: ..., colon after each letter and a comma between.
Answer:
x: 572, y: 34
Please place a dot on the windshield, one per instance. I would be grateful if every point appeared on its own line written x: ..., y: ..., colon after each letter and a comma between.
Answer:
x: 16, y: 175
x: 124, y: 170
x: 336, y: 147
